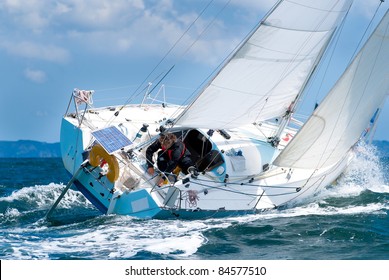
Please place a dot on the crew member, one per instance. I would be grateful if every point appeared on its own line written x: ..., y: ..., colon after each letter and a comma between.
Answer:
x: 172, y: 153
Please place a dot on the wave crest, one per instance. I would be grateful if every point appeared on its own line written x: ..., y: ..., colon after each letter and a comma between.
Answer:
x: 365, y: 172
x: 41, y: 197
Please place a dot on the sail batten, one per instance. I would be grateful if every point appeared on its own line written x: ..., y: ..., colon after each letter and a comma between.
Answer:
x: 268, y: 71
x: 339, y: 122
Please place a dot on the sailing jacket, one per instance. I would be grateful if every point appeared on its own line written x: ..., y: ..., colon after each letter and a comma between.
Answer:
x: 168, y: 160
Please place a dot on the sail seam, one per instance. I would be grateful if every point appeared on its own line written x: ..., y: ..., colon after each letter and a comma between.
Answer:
x: 297, y: 30
x: 317, y: 9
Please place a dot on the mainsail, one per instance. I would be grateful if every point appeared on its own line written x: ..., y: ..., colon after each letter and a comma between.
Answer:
x: 266, y: 74
x: 338, y: 123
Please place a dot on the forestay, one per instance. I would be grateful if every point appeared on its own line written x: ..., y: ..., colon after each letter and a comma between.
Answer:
x: 266, y: 74
x: 338, y: 123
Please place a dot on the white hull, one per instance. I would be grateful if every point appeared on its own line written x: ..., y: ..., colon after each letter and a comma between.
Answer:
x: 237, y: 184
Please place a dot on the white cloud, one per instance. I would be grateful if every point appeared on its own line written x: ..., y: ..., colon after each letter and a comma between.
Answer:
x: 42, y: 51
x: 91, y: 15
x: 36, y: 76
x: 61, y: 8
x: 55, y: 30
x: 256, y: 5
x: 28, y: 15
x: 107, y: 27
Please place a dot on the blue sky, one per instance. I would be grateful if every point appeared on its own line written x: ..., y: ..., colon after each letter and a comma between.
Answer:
x: 49, y: 47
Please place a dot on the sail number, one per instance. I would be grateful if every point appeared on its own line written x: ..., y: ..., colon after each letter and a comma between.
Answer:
x: 242, y: 270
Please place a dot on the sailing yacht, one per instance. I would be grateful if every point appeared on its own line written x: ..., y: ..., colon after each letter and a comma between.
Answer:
x: 249, y: 153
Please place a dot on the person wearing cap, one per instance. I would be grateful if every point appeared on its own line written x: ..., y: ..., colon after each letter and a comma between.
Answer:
x: 172, y: 153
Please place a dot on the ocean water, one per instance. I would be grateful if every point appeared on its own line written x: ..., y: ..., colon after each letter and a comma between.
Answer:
x: 349, y: 220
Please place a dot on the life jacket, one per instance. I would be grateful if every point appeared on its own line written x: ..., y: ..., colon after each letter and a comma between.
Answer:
x: 170, y: 152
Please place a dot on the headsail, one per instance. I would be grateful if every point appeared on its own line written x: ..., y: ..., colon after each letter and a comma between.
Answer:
x: 338, y: 123
x: 267, y: 73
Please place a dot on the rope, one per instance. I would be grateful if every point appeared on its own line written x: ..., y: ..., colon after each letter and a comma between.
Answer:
x: 247, y: 184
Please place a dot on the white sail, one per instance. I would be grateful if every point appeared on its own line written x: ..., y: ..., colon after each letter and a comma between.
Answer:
x: 267, y: 73
x: 338, y: 123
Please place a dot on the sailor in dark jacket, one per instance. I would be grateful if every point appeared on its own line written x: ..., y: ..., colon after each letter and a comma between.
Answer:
x: 172, y: 153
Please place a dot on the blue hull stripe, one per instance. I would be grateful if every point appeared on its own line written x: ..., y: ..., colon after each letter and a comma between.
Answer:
x: 91, y: 197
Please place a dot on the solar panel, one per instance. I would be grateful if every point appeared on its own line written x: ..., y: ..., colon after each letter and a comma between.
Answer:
x: 111, y: 138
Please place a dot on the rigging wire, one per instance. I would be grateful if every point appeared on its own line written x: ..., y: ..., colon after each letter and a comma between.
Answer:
x: 336, y: 43
x: 329, y: 61
x: 191, y: 96
x: 367, y: 28
x: 208, y: 80
x: 137, y: 92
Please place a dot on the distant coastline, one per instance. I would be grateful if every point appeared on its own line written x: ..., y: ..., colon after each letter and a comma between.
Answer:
x: 36, y: 149
x: 29, y: 149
